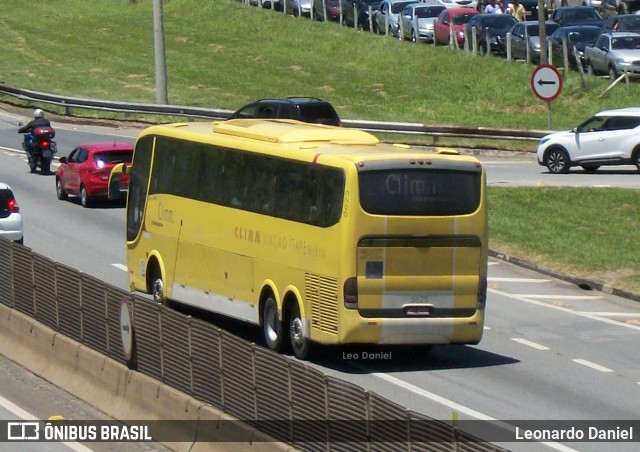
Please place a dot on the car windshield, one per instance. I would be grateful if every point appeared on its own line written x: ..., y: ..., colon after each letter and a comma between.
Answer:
x: 498, y: 22
x: 396, y: 8
x: 626, y: 43
x: 629, y: 22
x: 461, y: 19
x: 112, y: 157
x: 582, y: 14
x: 534, y: 29
x: 430, y: 11
x: 584, y: 35
x: 321, y: 113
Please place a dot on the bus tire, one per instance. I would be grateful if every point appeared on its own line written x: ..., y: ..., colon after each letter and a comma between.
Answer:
x: 272, y: 326
x: 300, y: 345
x: 156, y: 286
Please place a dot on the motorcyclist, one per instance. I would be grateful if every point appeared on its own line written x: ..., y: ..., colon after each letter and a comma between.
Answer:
x: 38, y: 121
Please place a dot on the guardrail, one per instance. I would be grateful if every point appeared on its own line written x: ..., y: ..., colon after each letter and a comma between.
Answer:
x: 286, y: 399
x: 71, y: 103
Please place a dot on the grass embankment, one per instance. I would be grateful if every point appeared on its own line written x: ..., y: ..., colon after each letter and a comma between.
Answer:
x: 584, y: 231
x: 222, y: 54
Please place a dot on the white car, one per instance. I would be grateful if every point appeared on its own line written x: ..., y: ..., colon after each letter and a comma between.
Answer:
x: 610, y: 137
x: 11, y: 226
x: 460, y: 3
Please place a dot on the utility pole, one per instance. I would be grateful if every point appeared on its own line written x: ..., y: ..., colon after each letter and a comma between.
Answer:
x: 161, y: 64
x: 544, y: 53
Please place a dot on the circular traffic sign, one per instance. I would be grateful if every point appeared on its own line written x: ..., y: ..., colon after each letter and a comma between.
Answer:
x: 126, y: 328
x: 546, y: 82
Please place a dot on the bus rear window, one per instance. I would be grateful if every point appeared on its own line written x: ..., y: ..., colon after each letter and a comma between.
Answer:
x: 420, y: 192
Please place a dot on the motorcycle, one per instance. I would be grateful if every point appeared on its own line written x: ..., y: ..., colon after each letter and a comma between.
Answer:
x: 40, y: 148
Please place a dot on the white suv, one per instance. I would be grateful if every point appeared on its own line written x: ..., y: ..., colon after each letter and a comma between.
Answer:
x: 610, y: 137
x: 11, y: 226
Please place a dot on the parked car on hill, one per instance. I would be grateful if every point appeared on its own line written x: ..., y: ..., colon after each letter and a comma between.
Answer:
x: 610, y: 137
x: 577, y: 15
x: 610, y: 8
x: 627, y: 22
x: 460, y: 3
x: 577, y: 37
x: 422, y: 14
x: 306, y: 109
x: 456, y: 16
x: 85, y: 172
x: 525, y: 39
x: 11, y: 223
x: 491, y: 31
x: 352, y: 9
x: 299, y: 7
x: 332, y: 7
x: 614, y: 53
x: 385, y: 18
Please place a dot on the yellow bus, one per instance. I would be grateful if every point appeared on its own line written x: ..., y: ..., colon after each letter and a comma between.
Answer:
x: 319, y: 234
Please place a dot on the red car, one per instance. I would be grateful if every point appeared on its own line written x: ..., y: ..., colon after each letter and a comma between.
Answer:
x: 85, y: 172
x: 457, y: 16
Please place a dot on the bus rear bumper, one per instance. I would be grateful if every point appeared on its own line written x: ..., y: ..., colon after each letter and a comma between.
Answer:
x: 396, y: 331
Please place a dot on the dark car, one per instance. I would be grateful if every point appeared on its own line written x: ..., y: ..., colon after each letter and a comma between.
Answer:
x: 332, y: 7
x: 361, y: 7
x: 85, y: 172
x: 576, y: 37
x: 577, y: 15
x: 627, y: 22
x: 305, y: 109
x: 525, y: 39
x: 491, y: 31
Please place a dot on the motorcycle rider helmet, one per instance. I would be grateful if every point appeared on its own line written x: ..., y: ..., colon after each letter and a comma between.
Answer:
x: 38, y: 113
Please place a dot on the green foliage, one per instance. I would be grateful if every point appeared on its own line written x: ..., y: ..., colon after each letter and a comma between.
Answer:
x: 582, y: 230
x: 222, y: 54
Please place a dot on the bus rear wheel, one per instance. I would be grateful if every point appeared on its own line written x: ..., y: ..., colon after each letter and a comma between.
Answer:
x: 272, y: 326
x: 301, y: 345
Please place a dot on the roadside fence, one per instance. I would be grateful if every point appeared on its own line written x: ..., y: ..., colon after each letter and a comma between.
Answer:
x: 290, y: 401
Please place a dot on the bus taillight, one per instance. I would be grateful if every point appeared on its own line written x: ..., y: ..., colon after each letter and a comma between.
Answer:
x: 351, y: 293
x: 482, y: 292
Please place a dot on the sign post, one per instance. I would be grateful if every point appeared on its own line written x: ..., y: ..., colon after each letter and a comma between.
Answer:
x: 546, y: 83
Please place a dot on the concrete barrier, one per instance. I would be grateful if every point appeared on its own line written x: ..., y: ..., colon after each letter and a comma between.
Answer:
x: 119, y: 392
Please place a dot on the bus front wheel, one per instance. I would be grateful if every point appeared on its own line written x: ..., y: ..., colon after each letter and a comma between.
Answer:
x: 272, y: 326
x: 301, y: 345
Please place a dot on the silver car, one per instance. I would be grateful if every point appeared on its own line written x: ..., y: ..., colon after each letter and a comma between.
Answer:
x: 385, y: 18
x: 11, y: 225
x: 420, y: 17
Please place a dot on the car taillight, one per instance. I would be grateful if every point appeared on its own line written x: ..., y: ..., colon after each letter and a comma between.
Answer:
x: 350, y: 293
x: 13, y: 206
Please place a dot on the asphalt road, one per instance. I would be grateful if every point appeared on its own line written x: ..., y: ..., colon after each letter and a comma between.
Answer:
x: 551, y: 351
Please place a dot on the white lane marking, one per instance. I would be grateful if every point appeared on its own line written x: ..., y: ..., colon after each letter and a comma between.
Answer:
x: 25, y: 415
x: 586, y: 315
x: 487, y: 327
x: 559, y: 297
x: 595, y: 366
x: 120, y: 267
x: 457, y: 407
x: 615, y: 314
x: 493, y: 263
x: 529, y: 343
x: 527, y: 280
